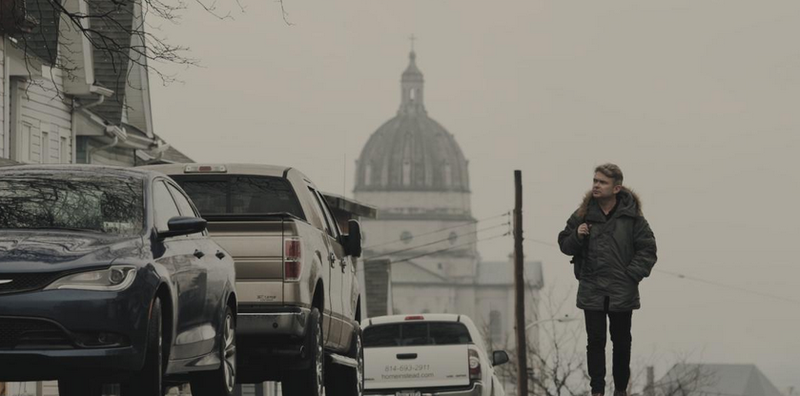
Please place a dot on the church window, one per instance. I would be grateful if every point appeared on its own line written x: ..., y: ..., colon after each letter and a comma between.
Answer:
x: 496, y: 327
x: 406, y: 172
x: 406, y: 237
x: 448, y: 175
x: 428, y: 176
x: 453, y: 237
x: 367, y: 175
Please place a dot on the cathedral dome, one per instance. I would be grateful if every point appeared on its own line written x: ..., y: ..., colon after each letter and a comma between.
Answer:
x: 412, y: 152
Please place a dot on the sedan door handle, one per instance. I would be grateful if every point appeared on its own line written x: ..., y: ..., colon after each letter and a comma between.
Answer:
x: 220, y: 255
x: 198, y: 254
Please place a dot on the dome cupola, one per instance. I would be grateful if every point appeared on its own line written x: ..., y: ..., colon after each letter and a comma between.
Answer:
x: 412, y: 152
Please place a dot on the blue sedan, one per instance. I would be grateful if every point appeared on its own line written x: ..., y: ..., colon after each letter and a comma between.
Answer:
x: 107, y: 275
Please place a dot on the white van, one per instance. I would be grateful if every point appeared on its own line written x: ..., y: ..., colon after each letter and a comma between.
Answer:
x: 428, y: 354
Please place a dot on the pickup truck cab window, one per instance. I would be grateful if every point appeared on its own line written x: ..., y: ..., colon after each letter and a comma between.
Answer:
x: 329, y: 213
x: 241, y: 194
x: 328, y: 222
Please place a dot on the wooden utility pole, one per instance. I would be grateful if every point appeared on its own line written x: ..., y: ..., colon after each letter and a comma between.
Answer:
x: 519, y: 286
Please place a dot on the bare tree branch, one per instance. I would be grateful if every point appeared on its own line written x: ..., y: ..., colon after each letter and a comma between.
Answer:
x: 122, y: 31
x: 559, y: 360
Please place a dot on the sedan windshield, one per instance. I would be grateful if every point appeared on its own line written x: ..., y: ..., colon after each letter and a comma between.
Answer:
x: 105, y: 204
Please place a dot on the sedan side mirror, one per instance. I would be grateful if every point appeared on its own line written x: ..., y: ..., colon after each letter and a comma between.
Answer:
x: 181, y: 225
x: 499, y: 357
x: 352, y: 241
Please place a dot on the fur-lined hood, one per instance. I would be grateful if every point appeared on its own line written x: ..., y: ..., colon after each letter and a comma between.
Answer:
x: 629, y: 200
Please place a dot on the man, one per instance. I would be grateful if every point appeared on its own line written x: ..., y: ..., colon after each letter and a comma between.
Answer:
x: 613, y: 249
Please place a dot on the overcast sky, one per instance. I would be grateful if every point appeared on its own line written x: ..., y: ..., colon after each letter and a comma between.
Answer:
x: 695, y: 100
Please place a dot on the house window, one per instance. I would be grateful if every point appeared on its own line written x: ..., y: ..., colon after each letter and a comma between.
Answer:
x: 45, y: 156
x: 24, y: 143
x: 66, y: 155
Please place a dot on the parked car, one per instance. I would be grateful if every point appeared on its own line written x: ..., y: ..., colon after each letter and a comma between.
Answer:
x: 413, y: 355
x: 108, y: 275
x: 300, y: 304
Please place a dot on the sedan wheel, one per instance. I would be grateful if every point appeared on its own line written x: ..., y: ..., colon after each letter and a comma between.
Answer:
x: 221, y: 381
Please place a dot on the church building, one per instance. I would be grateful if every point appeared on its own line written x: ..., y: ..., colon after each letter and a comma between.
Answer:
x: 414, y: 171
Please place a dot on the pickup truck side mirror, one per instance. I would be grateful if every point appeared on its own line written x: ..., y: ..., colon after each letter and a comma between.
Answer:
x: 499, y: 357
x: 181, y: 225
x: 352, y: 241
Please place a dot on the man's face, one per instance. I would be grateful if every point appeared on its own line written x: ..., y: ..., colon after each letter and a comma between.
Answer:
x: 603, y: 187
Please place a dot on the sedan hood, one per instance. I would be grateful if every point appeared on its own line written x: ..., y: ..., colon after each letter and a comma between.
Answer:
x: 40, y: 251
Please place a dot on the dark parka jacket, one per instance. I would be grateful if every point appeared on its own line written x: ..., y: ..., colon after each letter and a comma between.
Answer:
x: 617, y: 254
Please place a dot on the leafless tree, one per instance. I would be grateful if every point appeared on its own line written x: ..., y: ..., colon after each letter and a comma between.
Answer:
x: 685, y: 379
x: 558, y: 360
x: 124, y: 31
x: 555, y: 360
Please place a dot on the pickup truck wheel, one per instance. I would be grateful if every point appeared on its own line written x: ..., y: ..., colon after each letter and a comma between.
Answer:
x: 347, y: 381
x: 221, y: 381
x: 310, y: 381
x: 149, y: 380
x: 79, y: 387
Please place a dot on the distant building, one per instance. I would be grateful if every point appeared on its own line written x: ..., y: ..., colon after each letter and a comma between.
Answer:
x: 715, y: 380
x: 424, y: 237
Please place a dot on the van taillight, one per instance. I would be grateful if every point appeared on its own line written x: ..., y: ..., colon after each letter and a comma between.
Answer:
x: 474, y: 365
x: 415, y: 317
x: 292, y: 259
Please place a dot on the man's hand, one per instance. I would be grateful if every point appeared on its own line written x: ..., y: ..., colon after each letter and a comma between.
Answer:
x: 583, y: 230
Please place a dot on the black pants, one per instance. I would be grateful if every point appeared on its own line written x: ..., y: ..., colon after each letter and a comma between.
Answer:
x: 596, y: 348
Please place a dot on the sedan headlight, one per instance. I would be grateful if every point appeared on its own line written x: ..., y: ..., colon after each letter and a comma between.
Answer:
x: 114, y: 278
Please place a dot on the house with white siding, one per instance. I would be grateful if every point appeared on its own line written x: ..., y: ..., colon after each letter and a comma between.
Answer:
x: 62, y: 101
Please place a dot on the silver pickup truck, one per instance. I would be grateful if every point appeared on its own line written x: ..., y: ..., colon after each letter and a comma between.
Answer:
x: 299, y: 299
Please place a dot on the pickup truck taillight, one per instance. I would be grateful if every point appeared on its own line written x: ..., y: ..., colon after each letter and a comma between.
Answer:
x: 292, y: 259
x: 474, y: 365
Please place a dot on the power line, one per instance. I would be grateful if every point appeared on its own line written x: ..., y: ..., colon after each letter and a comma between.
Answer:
x: 718, y: 284
x: 442, y: 229
x: 698, y: 279
x: 543, y: 242
x: 438, y: 241
x: 452, y: 247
